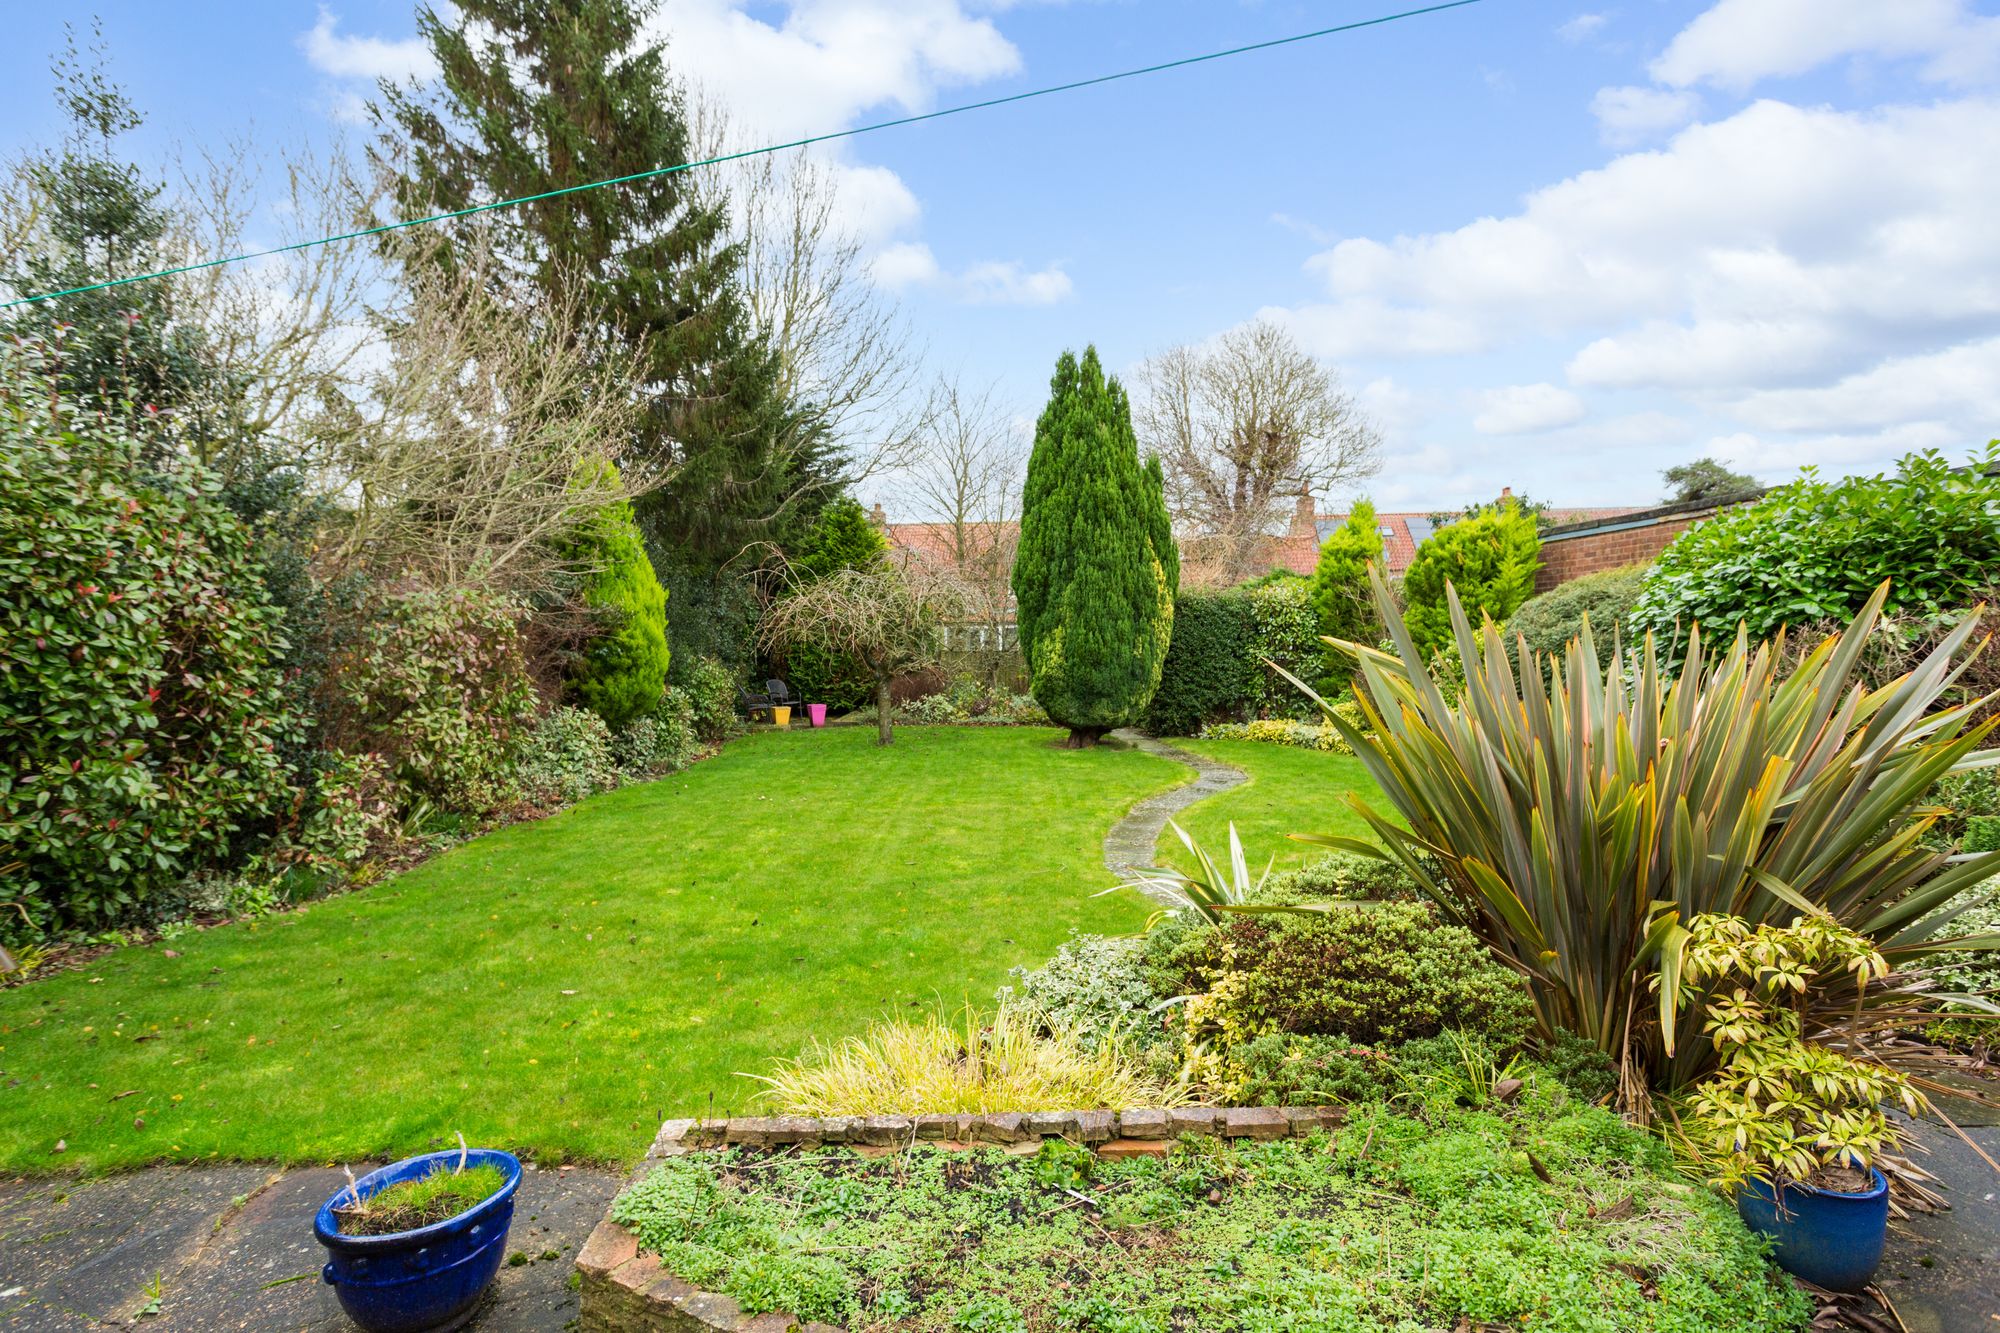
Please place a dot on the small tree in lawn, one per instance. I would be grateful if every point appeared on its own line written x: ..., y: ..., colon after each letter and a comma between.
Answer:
x: 889, y: 617
x: 1490, y: 558
x: 1340, y: 583
x: 1097, y: 570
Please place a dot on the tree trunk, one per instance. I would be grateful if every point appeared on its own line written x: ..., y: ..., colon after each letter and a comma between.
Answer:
x: 883, y: 735
x: 1083, y: 738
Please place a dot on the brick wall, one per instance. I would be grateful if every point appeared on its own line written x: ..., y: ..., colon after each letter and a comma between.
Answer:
x: 1575, y: 549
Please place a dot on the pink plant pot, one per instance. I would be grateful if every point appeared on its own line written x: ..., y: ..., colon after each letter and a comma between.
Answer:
x: 817, y: 712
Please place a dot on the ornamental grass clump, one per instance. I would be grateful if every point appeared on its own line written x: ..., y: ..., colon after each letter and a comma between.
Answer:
x: 436, y: 1196
x: 973, y: 1063
x: 1573, y: 818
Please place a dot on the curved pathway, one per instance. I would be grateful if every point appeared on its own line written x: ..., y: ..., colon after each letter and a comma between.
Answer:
x: 1131, y: 845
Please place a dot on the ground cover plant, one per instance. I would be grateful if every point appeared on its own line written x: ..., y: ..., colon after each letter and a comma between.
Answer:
x: 558, y: 986
x: 1549, y: 1214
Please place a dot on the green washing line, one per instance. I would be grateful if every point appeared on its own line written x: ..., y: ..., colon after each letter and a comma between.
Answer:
x: 748, y: 152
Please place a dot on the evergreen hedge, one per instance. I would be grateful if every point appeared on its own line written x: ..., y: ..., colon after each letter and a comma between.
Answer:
x: 1209, y: 673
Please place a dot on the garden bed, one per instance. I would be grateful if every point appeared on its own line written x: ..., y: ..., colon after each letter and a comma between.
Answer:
x: 1545, y: 1214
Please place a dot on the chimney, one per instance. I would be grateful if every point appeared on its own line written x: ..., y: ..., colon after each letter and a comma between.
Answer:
x: 877, y: 516
x: 1506, y: 496
x: 1303, y: 517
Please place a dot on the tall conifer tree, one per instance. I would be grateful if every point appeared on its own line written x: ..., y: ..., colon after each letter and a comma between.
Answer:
x: 536, y: 96
x: 1340, y: 584
x: 1097, y: 570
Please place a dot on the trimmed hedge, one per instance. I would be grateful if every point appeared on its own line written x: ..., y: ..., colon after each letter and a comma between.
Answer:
x: 1287, y: 633
x: 1208, y: 675
x: 1550, y: 621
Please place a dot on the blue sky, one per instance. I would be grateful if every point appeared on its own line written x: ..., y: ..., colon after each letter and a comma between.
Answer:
x: 1553, y: 246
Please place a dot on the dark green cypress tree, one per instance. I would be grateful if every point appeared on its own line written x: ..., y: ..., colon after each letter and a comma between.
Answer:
x: 540, y: 95
x: 1096, y: 571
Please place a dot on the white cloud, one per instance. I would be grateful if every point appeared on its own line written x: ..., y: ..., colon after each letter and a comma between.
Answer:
x: 905, y: 264
x: 827, y: 61
x: 1520, y: 409
x: 872, y: 202
x: 1814, y: 239
x: 1739, y: 42
x: 1582, y: 26
x: 1627, y: 116
x: 370, y: 58
x: 991, y: 282
x: 1962, y: 383
x: 1010, y: 283
x: 1838, y: 452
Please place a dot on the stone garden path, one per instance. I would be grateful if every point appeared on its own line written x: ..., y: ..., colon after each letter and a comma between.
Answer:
x: 1131, y: 844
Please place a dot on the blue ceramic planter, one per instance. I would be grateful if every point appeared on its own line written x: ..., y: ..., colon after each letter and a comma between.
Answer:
x: 430, y: 1278
x: 1831, y: 1240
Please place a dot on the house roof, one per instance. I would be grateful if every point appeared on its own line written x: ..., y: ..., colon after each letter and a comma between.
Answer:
x: 1296, y: 550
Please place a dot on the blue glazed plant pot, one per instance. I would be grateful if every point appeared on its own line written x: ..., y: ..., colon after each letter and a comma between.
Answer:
x: 430, y: 1278
x: 1831, y: 1240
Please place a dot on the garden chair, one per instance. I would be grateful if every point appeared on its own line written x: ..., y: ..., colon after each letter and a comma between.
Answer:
x: 781, y: 694
x: 754, y: 704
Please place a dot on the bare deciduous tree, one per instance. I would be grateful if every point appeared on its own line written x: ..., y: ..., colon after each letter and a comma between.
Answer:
x: 844, y: 347
x: 890, y: 617
x: 480, y: 450
x: 1243, y: 427
x: 965, y: 474
x: 289, y: 328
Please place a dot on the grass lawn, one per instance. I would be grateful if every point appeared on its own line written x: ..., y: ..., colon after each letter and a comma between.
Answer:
x: 560, y: 986
x: 1291, y: 790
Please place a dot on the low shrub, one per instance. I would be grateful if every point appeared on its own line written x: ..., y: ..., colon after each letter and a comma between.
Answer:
x: 352, y: 811
x: 1006, y: 1061
x: 1815, y: 550
x: 1286, y: 1069
x: 1210, y: 673
x: 1342, y: 875
x: 1380, y: 973
x: 661, y: 741
x: 1579, y: 1065
x: 564, y: 758
x: 436, y: 683
x: 1549, y: 622
x: 711, y: 695
x: 1097, y: 990
x: 1973, y: 971
x: 1289, y: 731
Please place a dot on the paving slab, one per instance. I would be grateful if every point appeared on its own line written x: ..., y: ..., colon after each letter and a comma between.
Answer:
x: 1942, y: 1270
x: 1132, y: 844
x: 231, y: 1248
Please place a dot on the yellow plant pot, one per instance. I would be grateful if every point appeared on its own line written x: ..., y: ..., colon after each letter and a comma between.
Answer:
x: 781, y: 715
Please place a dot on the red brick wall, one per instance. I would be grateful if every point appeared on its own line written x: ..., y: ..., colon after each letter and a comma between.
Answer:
x: 1620, y: 542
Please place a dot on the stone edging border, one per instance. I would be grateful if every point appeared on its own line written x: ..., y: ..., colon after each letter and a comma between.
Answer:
x: 624, y: 1291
